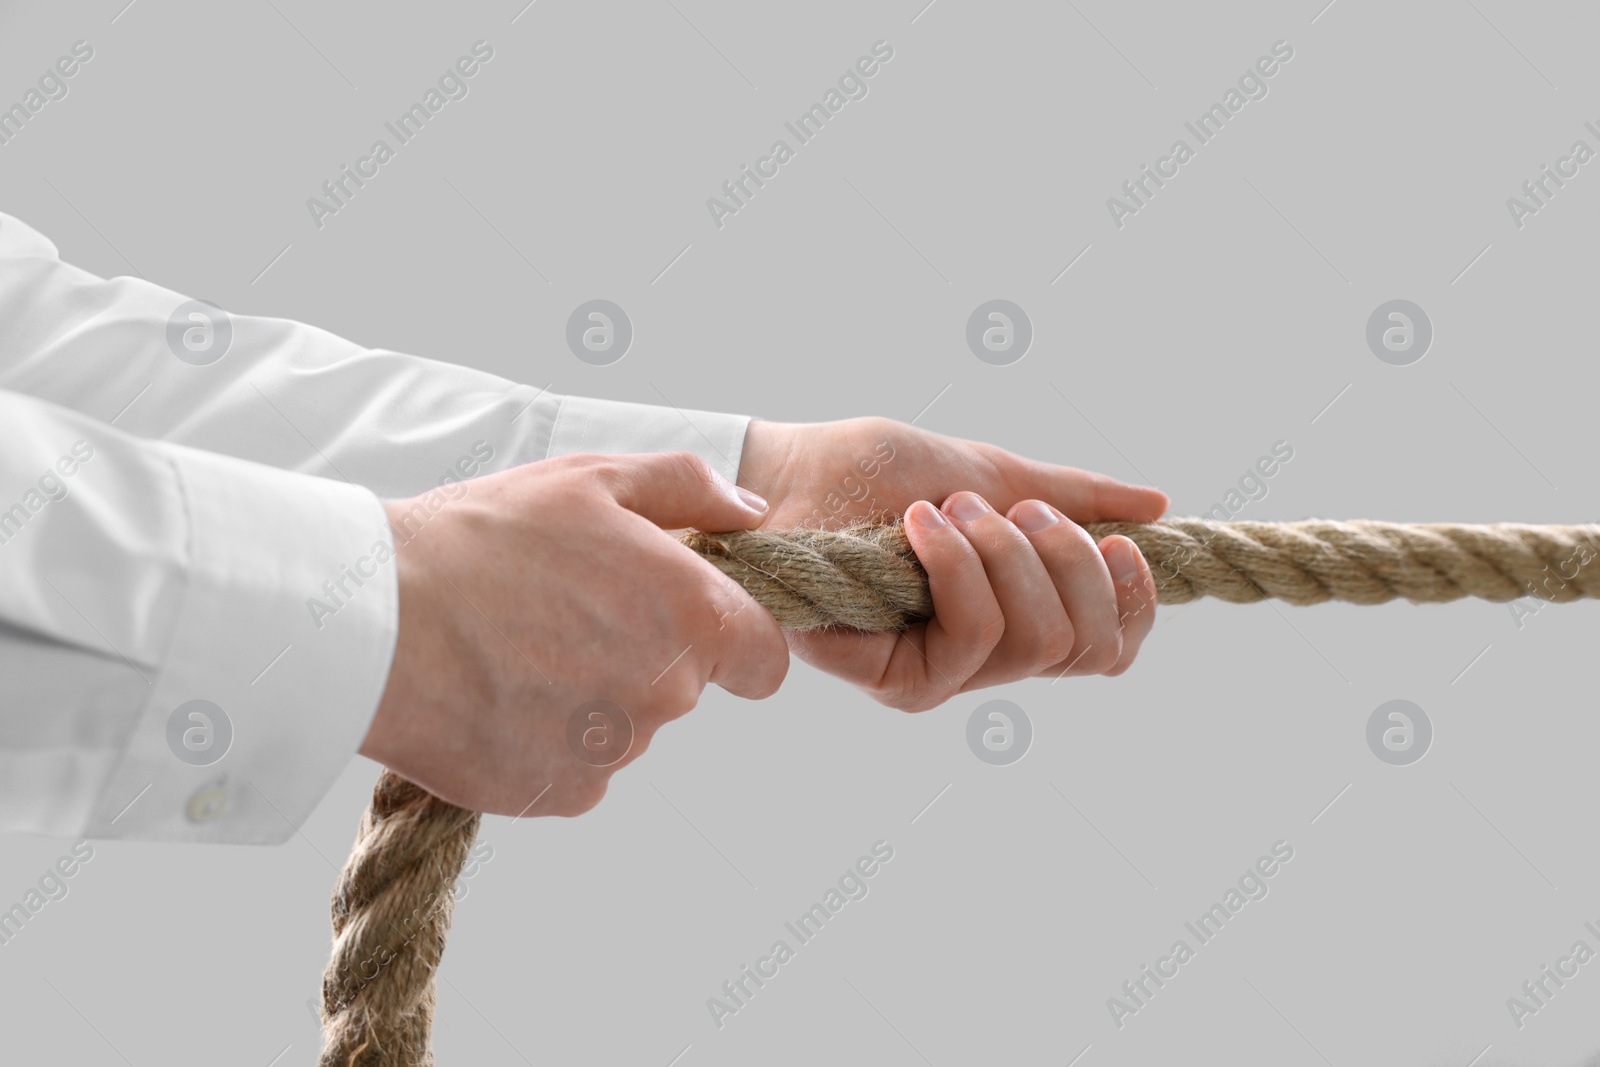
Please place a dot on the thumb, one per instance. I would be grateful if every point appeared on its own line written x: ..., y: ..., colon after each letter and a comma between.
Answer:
x: 678, y: 490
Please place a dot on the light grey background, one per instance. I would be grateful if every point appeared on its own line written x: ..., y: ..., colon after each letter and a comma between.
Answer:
x: 1225, y: 316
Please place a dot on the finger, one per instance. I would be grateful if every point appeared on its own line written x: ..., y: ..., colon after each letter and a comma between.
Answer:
x: 678, y: 490
x: 750, y: 657
x: 736, y: 642
x: 1085, y: 496
x: 1038, y: 630
x: 859, y: 658
x: 967, y: 620
x: 1079, y: 577
x: 722, y: 634
x: 927, y: 664
x: 1136, y: 596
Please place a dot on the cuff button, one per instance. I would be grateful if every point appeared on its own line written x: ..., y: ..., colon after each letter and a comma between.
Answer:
x: 207, y: 804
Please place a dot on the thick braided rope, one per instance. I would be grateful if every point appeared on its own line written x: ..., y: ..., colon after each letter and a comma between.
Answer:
x: 867, y: 578
x: 392, y: 906
x: 391, y: 911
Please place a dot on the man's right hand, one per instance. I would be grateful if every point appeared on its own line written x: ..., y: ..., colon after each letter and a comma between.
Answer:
x: 544, y: 588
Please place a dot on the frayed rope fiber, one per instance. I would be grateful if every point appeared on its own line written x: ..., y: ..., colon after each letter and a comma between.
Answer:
x: 393, y: 902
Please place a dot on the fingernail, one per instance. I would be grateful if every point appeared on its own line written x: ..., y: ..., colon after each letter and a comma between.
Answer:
x: 751, y: 500
x: 1034, y: 515
x: 926, y: 515
x: 966, y: 506
x: 1123, y: 559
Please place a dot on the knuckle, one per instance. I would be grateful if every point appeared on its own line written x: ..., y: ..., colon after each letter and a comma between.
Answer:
x: 1080, y: 546
x: 671, y: 695
x: 570, y: 461
x: 587, y: 463
x: 916, y: 699
x: 1122, y: 666
x: 777, y: 672
x: 878, y: 425
x: 588, y: 796
x: 1103, y: 655
x: 579, y: 797
x: 609, y: 472
x: 1055, y: 644
x: 988, y: 631
x: 695, y: 468
x: 901, y: 698
x: 675, y: 697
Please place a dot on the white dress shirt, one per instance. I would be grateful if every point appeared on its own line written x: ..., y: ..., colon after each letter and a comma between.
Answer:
x: 189, y: 512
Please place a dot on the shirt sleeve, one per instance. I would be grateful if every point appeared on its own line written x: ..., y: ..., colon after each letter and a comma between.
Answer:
x: 160, y: 365
x: 168, y: 675
x: 196, y: 623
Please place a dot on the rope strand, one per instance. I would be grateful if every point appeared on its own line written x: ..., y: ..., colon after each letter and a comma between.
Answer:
x: 393, y: 902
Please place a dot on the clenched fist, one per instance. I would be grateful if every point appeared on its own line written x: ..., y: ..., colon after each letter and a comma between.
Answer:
x: 544, y: 590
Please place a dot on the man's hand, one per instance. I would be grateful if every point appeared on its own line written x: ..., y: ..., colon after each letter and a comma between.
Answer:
x: 544, y: 588
x: 1019, y: 588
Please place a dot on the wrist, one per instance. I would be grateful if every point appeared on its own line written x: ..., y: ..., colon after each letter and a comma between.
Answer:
x: 765, y: 458
x: 397, y: 712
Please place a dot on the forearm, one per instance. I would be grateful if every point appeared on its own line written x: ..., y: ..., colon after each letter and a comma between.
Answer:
x: 294, y: 396
x: 138, y: 578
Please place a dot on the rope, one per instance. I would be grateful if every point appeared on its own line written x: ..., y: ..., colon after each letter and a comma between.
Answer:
x: 867, y: 577
x: 393, y: 902
x: 391, y: 911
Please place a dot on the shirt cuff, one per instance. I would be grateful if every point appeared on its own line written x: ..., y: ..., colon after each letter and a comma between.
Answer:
x: 276, y: 665
x: 608, y: 427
